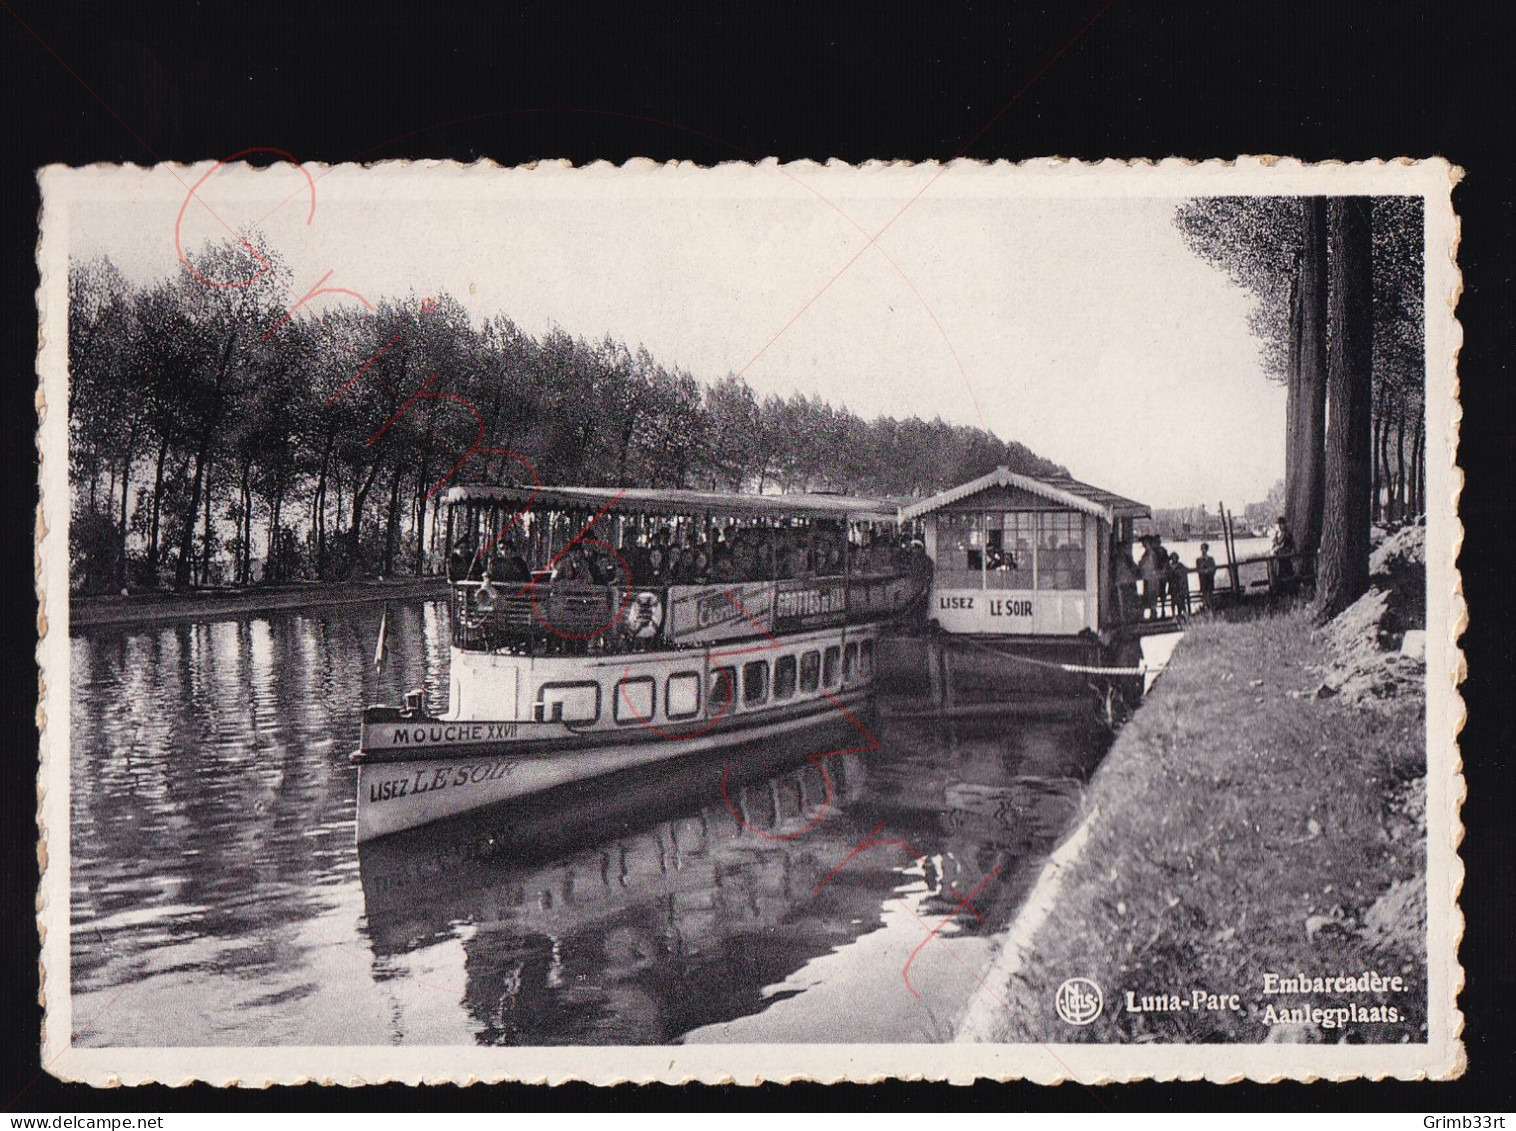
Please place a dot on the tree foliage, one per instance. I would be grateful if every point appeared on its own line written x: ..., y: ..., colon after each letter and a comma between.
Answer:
x: 1258, y: 243
x: 214, y: 439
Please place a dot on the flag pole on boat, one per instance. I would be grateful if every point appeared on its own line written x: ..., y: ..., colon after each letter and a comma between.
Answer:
x: 384, y: 625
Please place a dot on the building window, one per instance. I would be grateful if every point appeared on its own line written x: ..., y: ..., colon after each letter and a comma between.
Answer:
x: 681, y: 695
x: 785, y: 669
x: 1010, y: 544
x: 755, y: 682
x: 636, y: 700
x: 722, y: 696
x: 567, y: 703
x: 831, y: 669
x: 960, y: 551
x: 810, y: 671
x: 1060, y: 550
x: 850, y: 660
x: 866, y: 659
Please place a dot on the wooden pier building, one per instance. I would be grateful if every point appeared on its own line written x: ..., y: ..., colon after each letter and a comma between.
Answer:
x: 1018, y: 556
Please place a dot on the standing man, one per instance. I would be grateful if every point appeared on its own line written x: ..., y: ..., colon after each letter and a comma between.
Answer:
x: 1179, y: 586
x: 1150, y: 571
x: 1205, y: 568
x: 1161, y: 556
x: 1127, y: 609
x: 1283, y: 550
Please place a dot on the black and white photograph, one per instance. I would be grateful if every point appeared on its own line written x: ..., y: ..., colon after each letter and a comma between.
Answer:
x: 767, y: 621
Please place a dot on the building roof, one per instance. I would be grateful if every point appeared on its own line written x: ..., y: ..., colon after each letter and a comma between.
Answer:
x: 1056, y: 488
x: 645, y: 500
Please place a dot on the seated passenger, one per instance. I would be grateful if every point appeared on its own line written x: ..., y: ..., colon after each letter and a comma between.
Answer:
x: 722, y: 569
x: 744, y: 563
x: 572, y: 566
x: 509, y: 565
x: 657, y: 566
x: 604, y: 568
x: 636, y: 556
x: 461, y: 557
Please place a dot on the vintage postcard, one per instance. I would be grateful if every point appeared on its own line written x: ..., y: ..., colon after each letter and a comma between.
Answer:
x: 757, y: 623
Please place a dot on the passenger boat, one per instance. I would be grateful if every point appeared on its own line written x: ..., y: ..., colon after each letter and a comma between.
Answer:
x: 583, y: 642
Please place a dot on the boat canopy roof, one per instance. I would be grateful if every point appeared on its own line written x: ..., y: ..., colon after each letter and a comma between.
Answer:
x: 1060, y: 489
x: 646, y: 500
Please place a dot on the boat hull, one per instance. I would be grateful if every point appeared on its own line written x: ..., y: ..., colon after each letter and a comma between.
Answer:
x: 401, y: 788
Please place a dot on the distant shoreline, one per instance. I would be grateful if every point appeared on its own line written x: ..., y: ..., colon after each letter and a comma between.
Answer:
x: 165, y: 608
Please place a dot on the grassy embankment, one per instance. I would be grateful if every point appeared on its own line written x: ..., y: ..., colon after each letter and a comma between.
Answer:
x: 1242, y: 825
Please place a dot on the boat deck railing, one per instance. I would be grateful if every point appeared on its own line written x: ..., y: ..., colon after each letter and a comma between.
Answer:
x: 556, y: 616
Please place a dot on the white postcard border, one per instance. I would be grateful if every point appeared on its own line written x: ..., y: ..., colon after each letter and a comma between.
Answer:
x: 1442, y: 1057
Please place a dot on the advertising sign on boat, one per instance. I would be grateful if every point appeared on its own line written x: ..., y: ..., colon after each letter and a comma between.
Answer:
x: 699, y: 613
x: 809, y: 604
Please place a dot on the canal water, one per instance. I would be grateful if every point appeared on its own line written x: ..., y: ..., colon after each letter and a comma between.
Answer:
x: 843, y: 887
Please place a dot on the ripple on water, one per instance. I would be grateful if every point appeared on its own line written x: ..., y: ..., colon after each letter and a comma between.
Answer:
x: 215, y: 875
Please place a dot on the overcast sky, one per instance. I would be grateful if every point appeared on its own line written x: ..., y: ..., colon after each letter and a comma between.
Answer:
x: 1081, y: 327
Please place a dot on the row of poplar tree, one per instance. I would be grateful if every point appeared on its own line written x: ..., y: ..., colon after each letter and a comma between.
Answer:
x: 214, y: 439
x: 1340, y: 284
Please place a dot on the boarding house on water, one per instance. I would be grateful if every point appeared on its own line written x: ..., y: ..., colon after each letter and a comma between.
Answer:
x: 1030, y: 562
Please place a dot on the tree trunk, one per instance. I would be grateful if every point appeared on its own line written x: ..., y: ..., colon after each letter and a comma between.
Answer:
x: 152, y: 540
x: 1306, y: 443
x: 1343, y: 572
x: 318, y: 507
x: 1400, y: 496
x: 1380, y: 470
x: 627, y: 428
x: 355, y: 532
x: 421, y: 500
x: 1418, y: 492
x: 276, y: 506
x: 186, y: 560
x: 1391, y: 478
x: 245, y: 564
x: 205, y: 537
x: 391, y: 526
x: 126, y: 490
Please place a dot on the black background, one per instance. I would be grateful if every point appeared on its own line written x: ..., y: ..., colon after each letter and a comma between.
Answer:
x: 723, y: 81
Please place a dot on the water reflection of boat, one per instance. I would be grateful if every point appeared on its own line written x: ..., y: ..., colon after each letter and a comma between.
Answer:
x: 769, y: 788
x: 669, y: 920
x: 643, y: 906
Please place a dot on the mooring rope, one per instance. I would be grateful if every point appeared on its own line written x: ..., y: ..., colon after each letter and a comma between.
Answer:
x: 1077, y: 669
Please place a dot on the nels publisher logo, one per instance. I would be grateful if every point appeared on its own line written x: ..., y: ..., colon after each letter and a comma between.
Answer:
x: 1079, y: 1001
